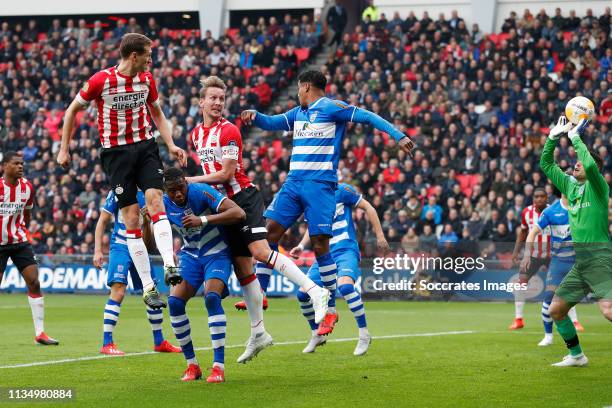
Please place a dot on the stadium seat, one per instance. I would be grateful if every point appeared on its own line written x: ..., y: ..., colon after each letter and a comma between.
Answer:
x: 302, y: 54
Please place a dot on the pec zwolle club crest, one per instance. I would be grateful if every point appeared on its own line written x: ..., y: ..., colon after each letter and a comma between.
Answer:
x: 313, y: 116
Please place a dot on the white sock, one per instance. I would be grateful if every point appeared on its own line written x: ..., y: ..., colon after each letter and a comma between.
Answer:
x: 37, y: 305
x: 572, y: 314
x: 548, y: 335
x: 519, y: 305
x: 363, y: 332
x: 192, y: 361
x: 140, y: 257
x: 220, y: 365
x: 331, y: 309
x: 163, y: 238
x: 314, y: 332
x: 288, y: 268
x: 254, y: 301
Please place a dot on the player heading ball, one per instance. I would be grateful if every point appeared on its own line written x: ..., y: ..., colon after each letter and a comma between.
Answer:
x: 125, y: 95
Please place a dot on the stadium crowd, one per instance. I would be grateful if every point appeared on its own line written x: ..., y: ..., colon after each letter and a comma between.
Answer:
x: 478, y: 106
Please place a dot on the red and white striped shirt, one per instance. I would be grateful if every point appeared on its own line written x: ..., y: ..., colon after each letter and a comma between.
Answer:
x: 529, y: 219
x: 14, y: 199
x: 122, y: 105
x: 221, y: 141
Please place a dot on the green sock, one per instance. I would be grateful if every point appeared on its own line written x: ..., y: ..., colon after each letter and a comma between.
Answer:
x: 567, y: 331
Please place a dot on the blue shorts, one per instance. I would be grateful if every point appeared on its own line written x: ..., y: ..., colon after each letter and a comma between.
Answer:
x: 314, y: 198
x: 120, y: 264
x: 558, y: 268
x: 347, y: 263
x: 196, y: 271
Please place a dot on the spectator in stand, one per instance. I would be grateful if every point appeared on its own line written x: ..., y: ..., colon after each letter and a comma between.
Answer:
x: 337, y: 19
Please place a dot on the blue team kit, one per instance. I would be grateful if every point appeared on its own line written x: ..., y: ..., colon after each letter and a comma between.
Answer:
x: 555, y: 218
x: 311, y: 183
x: 119, y: 261
x: 205, y: 254
x: 343, y: 244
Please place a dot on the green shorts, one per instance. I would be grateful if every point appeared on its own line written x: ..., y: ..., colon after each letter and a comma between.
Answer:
x: 589, y: 275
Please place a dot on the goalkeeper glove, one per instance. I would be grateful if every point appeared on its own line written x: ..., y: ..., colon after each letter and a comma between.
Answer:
x: 561, y: 127
x: 575, y: 132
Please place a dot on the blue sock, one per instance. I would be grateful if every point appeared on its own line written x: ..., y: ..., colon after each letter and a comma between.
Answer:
x: 307, y: 310
x: 217, y: 323
x: 111, y: 315
x: 264, y: 272
x: 181, y: 327
x: 328, y: 271
x: 546, y: 319
x: 353, y: 300
x: 156, y: 318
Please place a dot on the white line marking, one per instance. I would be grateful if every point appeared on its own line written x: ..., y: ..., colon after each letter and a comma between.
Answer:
x: 280, y: 343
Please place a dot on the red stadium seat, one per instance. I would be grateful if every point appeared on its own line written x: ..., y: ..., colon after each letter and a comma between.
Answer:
x: 42, y: 36
x: 302, y: 54
x: 567, y: 35
x: 233, y: 33
x: 265, y: 71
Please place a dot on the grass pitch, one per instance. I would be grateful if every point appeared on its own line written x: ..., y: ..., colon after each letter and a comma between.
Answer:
x: 416, y: 361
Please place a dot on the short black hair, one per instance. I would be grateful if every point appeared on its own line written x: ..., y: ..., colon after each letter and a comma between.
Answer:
x: 598, y: 160
x: 8, y: 156
x: 539, y: 190
x: 314, y: 78
x: 173, y: 175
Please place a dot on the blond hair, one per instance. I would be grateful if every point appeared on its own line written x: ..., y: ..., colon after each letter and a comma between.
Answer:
x: 211, y: 82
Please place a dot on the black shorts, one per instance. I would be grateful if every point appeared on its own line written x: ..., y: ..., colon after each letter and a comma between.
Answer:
x: 253, y: 228
x: 131, y: 166
x: 21, y: 255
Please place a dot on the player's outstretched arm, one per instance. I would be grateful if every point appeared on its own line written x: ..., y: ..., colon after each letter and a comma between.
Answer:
x: 104, y: 219
x: 284, y: 121
x: 157, y: 114
x: 547, y: 161
x: 297, y: 251
x: 593, y: 174
x: 381, y: 241
x: 63, y: 156
x: 364, y: 116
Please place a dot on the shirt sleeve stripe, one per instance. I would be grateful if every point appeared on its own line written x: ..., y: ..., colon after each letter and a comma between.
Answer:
x: 353, y: 114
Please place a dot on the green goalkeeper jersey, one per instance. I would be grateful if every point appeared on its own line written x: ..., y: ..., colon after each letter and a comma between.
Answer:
x: 588, y: 201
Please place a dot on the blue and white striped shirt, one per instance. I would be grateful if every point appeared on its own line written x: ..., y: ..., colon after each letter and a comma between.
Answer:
x: 198, y: 242
x: 556, y: 219
x: 317, y: 135
x: 344, y: 236
x: 111, y: 206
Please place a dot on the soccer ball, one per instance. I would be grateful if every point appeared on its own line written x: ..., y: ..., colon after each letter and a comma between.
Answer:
x: 579, y: 108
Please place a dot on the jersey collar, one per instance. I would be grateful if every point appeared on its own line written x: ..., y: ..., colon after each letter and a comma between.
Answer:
x: 315, y: 103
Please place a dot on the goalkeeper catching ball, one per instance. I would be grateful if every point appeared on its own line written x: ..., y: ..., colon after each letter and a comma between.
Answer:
x: 587, y: 193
